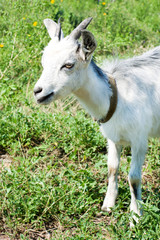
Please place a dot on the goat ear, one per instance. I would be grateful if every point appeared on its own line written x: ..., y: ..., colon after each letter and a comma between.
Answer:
x: 88, y: 44
x: 53, y: 28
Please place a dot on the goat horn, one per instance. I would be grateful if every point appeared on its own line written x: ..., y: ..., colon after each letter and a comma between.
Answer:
x: 58, y: 30
x: 76, y: 33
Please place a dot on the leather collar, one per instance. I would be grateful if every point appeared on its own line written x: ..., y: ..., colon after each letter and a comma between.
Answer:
x: 113, y: 101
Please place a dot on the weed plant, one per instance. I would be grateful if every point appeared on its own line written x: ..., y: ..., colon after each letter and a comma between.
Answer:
x: 56, y: 183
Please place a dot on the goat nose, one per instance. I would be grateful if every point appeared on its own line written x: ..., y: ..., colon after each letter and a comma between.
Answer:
x: 37, y: 90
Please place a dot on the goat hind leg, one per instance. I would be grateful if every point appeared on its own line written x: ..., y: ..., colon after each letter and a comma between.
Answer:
x: 113, y: 166
x: 138, y: 156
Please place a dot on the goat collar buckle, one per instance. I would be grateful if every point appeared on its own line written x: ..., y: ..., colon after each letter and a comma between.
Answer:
x: 113, y: 101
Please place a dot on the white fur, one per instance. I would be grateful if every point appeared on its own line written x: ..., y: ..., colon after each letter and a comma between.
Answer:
x: 137, y: 116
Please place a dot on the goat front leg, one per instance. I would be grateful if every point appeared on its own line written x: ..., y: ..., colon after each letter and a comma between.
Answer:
x: 138, y: 156
x: 113, y: 166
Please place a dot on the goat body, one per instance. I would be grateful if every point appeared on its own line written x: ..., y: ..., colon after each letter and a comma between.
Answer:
x: 68, y: 68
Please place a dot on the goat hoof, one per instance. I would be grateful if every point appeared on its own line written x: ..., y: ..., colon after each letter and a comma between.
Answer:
x: 132, y: 225
x: 106, y: 209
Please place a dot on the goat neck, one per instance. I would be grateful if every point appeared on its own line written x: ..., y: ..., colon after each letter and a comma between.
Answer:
x: 95, y: 93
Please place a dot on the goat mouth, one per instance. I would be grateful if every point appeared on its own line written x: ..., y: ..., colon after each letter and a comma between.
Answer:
x: 46, y: 99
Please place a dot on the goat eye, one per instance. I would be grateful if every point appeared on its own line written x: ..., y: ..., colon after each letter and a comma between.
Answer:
x: 68, y: 65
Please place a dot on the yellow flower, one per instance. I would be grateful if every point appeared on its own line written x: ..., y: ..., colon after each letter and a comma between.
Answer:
x: 103, y: 3
x: 35, y: 24
x: 61, y: 0
x: 1, y: 45
x: 29, y: 35
x: 104, y: 14
x: 24, y: 18
x: 52, y: 1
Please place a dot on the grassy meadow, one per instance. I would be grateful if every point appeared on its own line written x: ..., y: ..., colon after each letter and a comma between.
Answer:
x: 53, y: 163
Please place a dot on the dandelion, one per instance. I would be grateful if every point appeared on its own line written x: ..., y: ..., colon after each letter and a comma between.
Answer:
x: 103, y: 3
x: 35, y: 24
x: 61, y: 0
x: 84, y: 157
x: 1, y: 45
x: 104, y: 14
x: 52, y: 1
x: 24, y: 18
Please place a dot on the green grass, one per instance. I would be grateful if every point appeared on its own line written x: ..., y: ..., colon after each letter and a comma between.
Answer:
x: 57, y: 180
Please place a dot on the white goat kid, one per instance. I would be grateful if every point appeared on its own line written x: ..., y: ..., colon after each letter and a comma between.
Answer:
x: 124, y: 97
